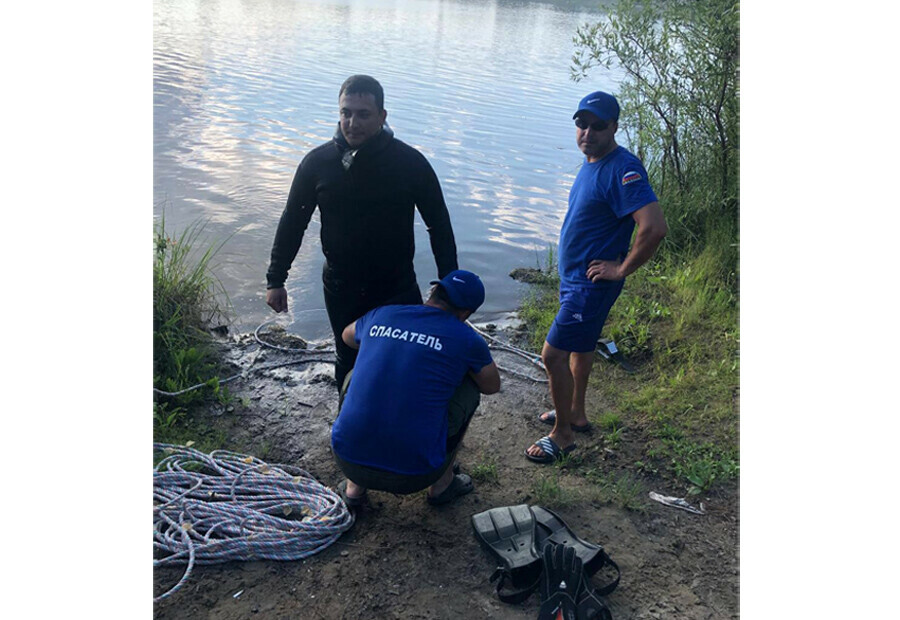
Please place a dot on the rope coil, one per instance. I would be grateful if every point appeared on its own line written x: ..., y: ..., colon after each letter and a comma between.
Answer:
x: 223, y: 506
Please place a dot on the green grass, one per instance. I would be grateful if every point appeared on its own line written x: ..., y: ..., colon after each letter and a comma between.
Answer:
x: 547, y: 490
x: 623, y: 490
x: 188, y: 301
x: 541, y: 303
x: 611, y: 424
x: 485, y: 470
x: 198, y: 435
x: 677, y: 320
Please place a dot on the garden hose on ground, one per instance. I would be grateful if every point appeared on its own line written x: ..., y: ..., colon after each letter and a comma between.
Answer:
x: 536, y: 360
x: 223, y: 506
x: 309, y: 356
x: 303, y: 360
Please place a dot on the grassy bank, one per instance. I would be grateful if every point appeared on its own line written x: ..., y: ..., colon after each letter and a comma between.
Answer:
x: 677, y: 323
x: 188, y: 303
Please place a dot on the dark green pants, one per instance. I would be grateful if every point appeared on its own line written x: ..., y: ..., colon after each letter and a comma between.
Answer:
x: 460, y: 410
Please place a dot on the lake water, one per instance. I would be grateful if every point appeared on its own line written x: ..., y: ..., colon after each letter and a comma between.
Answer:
x: 243, y: 89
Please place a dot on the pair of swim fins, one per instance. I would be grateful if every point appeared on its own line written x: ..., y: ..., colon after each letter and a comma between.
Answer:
x: 516, y: 537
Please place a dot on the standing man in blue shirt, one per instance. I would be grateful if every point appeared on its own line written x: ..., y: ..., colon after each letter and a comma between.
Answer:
x: 408, y: 400
x: 610, y: 195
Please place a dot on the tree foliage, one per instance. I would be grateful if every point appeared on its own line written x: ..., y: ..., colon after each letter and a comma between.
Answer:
x: 679, y: 61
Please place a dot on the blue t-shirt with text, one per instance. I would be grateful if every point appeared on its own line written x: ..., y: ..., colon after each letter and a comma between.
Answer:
x: 598, y: 224
x: 411, y: 360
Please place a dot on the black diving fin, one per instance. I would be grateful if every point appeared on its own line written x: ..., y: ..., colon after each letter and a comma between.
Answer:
x: 508, y: 533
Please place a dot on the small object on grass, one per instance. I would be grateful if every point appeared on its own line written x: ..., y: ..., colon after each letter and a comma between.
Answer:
x: 676, y: 502
x: 608, y: 350
x: 237, y: 594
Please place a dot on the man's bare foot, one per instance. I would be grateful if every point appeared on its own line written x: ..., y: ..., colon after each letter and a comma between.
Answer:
x: 563, y: 440
x: 547, y: 451
x: 579, y: 421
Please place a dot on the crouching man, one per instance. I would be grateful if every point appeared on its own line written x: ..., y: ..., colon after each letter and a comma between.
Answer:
x: 409, y: 400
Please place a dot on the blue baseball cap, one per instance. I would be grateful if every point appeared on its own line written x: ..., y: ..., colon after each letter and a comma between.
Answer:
x: 463, y: 288
x: 602, y: 105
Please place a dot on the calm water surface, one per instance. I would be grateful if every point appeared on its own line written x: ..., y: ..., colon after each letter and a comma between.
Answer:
x: 243, y: 89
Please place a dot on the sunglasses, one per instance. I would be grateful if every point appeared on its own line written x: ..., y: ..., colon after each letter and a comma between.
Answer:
x: 596, y: 126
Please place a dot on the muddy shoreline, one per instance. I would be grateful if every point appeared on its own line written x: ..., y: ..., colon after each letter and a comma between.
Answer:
x: 406, y: 559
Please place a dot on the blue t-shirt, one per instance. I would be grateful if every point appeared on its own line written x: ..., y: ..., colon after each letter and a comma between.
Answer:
x: 598, y: 224
x: 411, y: 360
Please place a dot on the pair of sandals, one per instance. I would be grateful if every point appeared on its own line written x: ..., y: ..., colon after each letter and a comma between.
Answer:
x: 552, y: 451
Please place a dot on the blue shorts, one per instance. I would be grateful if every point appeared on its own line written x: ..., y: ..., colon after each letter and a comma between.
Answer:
x: 582, y: 313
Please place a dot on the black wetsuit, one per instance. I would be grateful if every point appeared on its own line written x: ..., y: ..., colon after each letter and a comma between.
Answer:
x: 367, y: 203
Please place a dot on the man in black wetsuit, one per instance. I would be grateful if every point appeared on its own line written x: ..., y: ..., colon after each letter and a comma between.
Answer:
x: 367, y: 185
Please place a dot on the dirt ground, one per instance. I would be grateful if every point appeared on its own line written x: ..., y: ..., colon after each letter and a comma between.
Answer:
x: 406, y: 559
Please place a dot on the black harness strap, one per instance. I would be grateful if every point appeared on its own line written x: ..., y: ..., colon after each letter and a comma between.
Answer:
x: 608, y: 588
x: 502, y: 576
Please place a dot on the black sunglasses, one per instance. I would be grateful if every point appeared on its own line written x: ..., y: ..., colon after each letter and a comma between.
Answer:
x: 597, y: 126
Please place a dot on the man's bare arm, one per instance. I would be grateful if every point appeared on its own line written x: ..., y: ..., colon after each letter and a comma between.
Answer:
x: 487, y: 379
x: 652, y: 228
x: 349, y: 336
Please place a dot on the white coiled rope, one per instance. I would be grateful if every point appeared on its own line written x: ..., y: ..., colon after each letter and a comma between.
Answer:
x: 223, y: 506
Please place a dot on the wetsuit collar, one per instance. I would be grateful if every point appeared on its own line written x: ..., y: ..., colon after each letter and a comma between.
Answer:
x: 373, y: 145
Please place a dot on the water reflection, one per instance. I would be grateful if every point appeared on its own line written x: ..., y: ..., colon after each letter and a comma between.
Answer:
x: 244, y: 89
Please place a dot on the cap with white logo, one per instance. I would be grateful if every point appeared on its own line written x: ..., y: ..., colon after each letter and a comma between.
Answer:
x: 602, y: 105
x: 464, y: 289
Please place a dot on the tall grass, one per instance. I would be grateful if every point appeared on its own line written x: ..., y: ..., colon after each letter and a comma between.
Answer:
x: 188, y: 301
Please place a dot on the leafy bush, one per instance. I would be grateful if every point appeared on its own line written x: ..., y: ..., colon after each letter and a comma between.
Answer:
x: 680, y: 105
